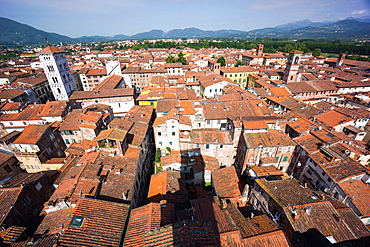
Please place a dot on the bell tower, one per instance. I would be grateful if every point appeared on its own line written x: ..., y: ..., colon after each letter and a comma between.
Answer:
x: 259, y: 50
x: 292, y: 66
x: 216, y: 68
x: 55, y: 65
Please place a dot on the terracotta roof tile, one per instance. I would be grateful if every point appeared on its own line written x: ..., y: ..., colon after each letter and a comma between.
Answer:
x: 31, y: 134
x: 50, y: 49
x: 226, y: 182
x: 146, y: 218
x: 8, y: 197
x: 357, y: 191
x: 55, y: 222
x: 186, y: 233
x: 102, y: 224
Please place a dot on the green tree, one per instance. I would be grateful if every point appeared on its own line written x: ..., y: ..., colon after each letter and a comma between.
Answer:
x: 239, y: 63
x: 222, y: 61
x: 181, y: 58
x: 316, y: 52
x: 170, y: 59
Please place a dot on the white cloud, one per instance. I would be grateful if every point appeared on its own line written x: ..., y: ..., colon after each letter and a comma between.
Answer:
x: 359, y: 12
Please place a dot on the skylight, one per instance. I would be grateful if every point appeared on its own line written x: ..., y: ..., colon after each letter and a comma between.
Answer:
x: 77, y: 221
x: 329, y: 135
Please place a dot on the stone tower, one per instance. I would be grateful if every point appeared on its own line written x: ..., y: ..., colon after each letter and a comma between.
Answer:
x: 55, y: 65
x: 259, y: 50
x: 217, y: 68
x: 292, y: 66
x: 340, y: 59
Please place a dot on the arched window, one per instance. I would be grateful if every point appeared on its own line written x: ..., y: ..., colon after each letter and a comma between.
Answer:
x: 296, y: 60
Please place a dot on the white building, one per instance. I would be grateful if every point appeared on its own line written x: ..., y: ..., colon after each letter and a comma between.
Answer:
x: 56, y: 68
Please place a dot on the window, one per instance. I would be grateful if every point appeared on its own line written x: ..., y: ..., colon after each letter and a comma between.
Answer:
x: 160, y: 143
x: 7, y: 168
x: 207, y: 146
x: 77, y: 221
x: 73, y: 140
x: 170, y: 143
x: 208, y: 121
x: 26, y: 200
x: 173, y: 133
x: 221, y: 146
x: 159, y: 133
x: 285, y: 158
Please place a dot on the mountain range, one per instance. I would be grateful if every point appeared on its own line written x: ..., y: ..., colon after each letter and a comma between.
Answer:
x: 15, y: 33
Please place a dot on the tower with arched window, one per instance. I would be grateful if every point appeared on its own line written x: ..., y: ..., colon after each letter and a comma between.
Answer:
x: 292, y: 66
x: 55, y: 65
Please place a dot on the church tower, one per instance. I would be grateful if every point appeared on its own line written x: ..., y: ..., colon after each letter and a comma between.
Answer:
x: 259, y: 50
x: 292, y: 66
x: 55, y: 65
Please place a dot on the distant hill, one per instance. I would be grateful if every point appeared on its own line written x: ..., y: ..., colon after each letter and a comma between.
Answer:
x: 195, y: 32
x: 304, y: 23
x: 15, y: 33
x: 153, y: 34
x: 349, y: 28
x: 184, y: 33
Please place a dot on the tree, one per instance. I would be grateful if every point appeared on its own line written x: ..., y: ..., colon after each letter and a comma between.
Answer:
x: 170, y: 59
x: 239, y: 63
x: 316, y: 52
x: 181, y: 58
x: 222, y: 61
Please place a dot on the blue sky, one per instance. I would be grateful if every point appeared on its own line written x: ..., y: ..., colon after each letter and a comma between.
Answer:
x: 76, y: 18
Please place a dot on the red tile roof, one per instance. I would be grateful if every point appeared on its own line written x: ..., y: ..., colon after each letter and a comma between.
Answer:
x: 185, y: 233
x: 55, y: 222
x: 146, y: 218
x: 31, y: 134
x: 226, y: 182
x: 102, y: 224
x: 8, y: 197
x: 50, y: 49
x: 358, y: 192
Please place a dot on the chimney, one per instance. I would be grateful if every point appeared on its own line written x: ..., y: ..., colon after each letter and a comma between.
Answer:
x: 224, y: 204
x: 295, y: 215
